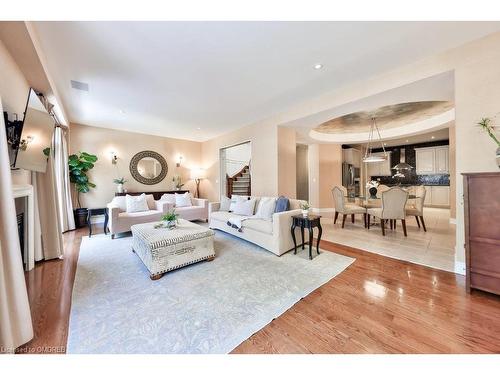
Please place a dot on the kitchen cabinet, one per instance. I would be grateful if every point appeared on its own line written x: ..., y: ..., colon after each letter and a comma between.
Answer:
x: 437, y: 196
x: 382, y: 168
x: 432, y: 160
x: 352, y: 156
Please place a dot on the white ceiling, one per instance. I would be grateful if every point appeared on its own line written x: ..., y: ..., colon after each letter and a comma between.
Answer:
x: 170, y: 78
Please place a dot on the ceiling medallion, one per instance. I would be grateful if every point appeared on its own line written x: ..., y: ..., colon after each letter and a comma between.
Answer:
x: 369, y: 156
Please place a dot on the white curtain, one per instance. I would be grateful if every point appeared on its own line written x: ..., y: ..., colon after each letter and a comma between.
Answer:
x: 63, y: 186
x: 48, y: 230
x: 15, y: 318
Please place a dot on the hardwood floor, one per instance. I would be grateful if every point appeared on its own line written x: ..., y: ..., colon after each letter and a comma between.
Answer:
x: 378, y: 305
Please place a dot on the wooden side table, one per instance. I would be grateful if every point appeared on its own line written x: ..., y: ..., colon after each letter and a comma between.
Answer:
x: 309, y: 222
x: 95, y: 212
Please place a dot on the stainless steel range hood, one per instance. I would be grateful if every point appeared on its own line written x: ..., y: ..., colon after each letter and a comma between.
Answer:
x: 402, y: 166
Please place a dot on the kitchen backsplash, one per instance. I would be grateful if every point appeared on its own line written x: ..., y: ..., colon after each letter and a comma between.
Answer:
x: 430, y: 179
x: 411, y: 177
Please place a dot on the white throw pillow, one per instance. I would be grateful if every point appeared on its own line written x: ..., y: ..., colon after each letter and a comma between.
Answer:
x: 244, y: 207
x: 183, y: 200
x: 265, y: 209
x: 169, y: 198
x: 225, y: 204
x: 137, y: 203
x: 235, y: 199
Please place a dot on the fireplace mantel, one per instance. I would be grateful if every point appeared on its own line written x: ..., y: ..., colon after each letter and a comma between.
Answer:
x: 26, y: 191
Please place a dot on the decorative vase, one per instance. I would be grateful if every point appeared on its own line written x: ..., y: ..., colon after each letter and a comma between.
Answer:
x: 498, y: 157
x: 373, y: 192
x: 171, y: 224
x: 119, y: 188
x: 305, y: 213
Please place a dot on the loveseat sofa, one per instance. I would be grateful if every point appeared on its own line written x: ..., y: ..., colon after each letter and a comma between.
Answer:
x: 121, y: 221
x: 273, y: 235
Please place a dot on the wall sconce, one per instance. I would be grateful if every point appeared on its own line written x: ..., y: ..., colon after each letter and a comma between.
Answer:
x: 23, y: 145
x: 179, y: 161
x: 114, y: 158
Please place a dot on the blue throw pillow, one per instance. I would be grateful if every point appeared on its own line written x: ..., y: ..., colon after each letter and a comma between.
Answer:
x: 282, y: 204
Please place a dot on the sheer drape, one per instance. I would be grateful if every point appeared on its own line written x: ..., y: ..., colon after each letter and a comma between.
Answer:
x: 62, y: 180
x: 15, y: 318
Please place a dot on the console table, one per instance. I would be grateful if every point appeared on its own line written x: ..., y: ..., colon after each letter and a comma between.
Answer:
x: 156, y: 194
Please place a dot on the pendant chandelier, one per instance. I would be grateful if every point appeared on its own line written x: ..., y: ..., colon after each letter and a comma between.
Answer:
x: 369, y: 156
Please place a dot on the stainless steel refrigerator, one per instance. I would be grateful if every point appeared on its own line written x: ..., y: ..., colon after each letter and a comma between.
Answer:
x: 351, y: 179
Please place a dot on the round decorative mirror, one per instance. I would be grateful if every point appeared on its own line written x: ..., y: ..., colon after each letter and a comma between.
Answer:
x: 148, y: 167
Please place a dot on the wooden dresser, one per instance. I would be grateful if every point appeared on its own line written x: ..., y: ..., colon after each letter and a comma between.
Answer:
x: 482, y: 231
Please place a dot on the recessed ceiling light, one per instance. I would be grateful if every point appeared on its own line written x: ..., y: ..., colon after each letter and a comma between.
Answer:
x: 318, y: 66
x: 385, y: 144
x: 198, y: 128
x: 406, y: 141
x: 433, y: 137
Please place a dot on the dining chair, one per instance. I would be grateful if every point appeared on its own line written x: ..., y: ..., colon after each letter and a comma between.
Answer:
x: 345, y: 208
x: 381, y: 189
x: 417, y: 208
x: 393, y: 208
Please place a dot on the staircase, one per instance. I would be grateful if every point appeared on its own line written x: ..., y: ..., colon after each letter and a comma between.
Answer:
x: 240, y: 183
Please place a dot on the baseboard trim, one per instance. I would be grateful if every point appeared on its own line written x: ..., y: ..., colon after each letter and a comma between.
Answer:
x: 323, y: 210
x: 453, y: 221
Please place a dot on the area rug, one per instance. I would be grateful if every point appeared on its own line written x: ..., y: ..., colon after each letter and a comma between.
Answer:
x: 208, y: 307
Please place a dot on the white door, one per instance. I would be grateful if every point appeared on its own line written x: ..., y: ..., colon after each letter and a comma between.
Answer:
x: 425, y: 160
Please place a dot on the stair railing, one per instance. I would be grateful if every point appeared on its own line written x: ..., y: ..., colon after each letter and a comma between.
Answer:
x: 230, y: 181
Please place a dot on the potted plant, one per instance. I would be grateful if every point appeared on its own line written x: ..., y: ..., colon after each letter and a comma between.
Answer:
x: 486, y: 125
x: 305, y: 209
x: 169, y: 220
x: 119, y: 184
x: 177, y: 180
x: 79, y: 164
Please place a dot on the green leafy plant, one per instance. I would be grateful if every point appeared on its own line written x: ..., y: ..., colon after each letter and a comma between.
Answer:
x: 305, y: 206
x: 171, y: 216
x: 486, y: 125
x: 79, y: 164
x: 119, y: 181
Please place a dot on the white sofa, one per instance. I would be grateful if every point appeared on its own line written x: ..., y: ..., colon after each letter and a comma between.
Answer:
x: 198, y: 210
x: 273, y: 235
x: 121, y: 221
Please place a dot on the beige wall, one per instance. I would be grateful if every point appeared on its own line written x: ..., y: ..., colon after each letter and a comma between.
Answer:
x: 14, y: 91
x: 453, y: 168
x: 325, y: 172
x: 287, y: 159
x: 263, y: 138
x: 100, y: 141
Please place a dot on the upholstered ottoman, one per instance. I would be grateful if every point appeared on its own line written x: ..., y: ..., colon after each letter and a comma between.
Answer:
x: 162, y: 250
